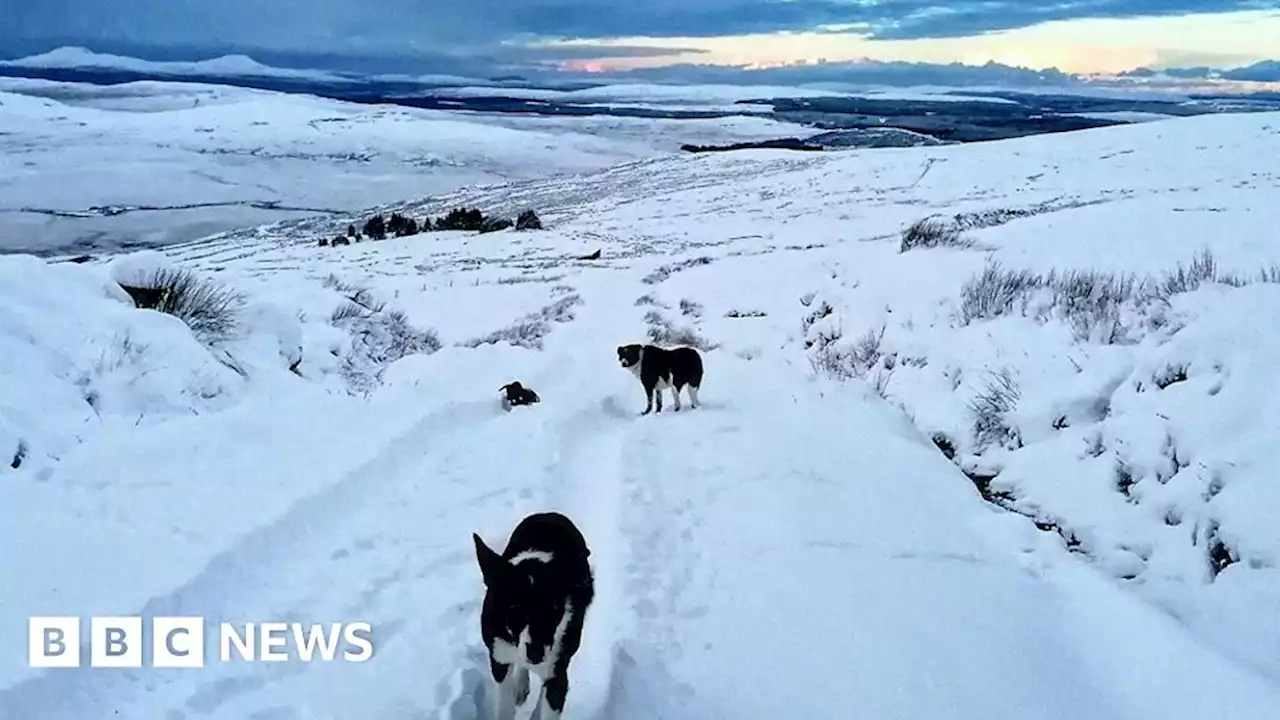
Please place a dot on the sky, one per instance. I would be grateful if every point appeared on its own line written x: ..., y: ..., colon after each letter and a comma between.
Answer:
x: 1074, y: 36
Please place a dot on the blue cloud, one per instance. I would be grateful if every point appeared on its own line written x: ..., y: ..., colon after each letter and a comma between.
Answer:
x: 453, y: 28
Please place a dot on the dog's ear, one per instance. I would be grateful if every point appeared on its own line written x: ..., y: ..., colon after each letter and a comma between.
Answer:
x: 491, y: 563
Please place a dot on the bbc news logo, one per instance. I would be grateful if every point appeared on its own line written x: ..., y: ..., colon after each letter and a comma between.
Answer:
x: 179, y: 642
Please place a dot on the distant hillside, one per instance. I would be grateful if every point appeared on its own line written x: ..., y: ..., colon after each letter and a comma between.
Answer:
x: 949, y: 116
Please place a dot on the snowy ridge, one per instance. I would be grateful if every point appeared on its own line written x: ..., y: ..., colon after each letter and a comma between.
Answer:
x: 233, y: 65
x: 207, y: 158
x: 799, y: 532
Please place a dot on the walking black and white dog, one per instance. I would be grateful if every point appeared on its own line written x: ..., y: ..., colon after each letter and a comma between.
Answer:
x: 536, y: 598
x: 663, y: 369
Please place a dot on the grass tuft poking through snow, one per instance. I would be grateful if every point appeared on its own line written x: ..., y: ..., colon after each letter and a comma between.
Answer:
x: 531, y: 330
x: 991, y: 408
x: 932, y: 232
x: 206, y: 306
x: 662, y: 331
x: 1099, y: 306
x: 379, y: 337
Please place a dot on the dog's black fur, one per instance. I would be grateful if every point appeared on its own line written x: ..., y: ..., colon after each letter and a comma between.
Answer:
x: 661, y: 369
x: 514, y: 394
x: 537, y: 590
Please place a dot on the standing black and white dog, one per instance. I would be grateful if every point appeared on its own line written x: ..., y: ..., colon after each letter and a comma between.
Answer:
x: 663, y: 369
x: 536, y: 598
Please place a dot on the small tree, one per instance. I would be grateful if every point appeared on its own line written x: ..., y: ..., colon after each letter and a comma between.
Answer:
x: 376, y: 228
x: 528, y: 220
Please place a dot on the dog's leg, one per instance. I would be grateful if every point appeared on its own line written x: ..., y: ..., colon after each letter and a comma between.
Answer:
x: 522, y: 685
x: 657, y: 400
x: 504, y: 707
x: 693, y: 395
x: 554, y: 692
x: 648, y: 396
x: 675, y: 393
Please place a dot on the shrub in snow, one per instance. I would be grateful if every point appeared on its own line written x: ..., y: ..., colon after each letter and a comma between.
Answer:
x: 932, y: 232
x: 461, y: 219
x: 376, y: 228
x: 528, y: 220
x: 402, y: 226
x: 862, y: 359
x: 494, y: 225
x: 819, y: 324
x: 377, y: 340
x: 663, y: 332
x: 665, y: 271
x: 206, y: 306
x: 1203, y: 269
x: 378, y: 337
x: 356, y: 295
x: 1098, y: 306
x: 690, y: 308
x: 990, y: 410
x: 529, y: 331
x: 995, y: 292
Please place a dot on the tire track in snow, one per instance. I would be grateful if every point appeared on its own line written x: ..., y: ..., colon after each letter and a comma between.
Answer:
x: 660, y: 528
x: 252, y: 563
x: 587, y: 485
x: 584, y: 479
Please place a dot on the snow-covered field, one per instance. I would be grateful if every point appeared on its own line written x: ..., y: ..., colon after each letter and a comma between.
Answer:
x: 800, y: 546
x: 148, y: 163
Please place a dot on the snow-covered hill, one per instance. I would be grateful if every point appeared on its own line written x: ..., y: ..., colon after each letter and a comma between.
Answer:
x: 228, y: 65
x: 966, y: 480
x: 147, y: 163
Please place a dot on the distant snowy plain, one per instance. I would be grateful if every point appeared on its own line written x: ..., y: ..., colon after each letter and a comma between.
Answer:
x: 148, y: 163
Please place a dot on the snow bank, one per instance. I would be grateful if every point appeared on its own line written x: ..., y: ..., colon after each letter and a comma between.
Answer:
x: 78, y: 356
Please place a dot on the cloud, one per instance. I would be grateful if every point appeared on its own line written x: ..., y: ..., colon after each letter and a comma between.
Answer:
x: 862, y: 73
x: 449, y: 27
x: 966, y: 19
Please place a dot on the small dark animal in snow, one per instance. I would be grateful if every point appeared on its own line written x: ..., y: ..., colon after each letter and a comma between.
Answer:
x: 147, y: 297
x: 514, y: 394
x: 536, y: 597
x: 661, y: 369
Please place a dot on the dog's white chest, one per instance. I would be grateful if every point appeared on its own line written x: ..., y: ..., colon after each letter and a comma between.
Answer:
x: 506, y: 653
x: 664, y: 383
x: 518, y: 656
